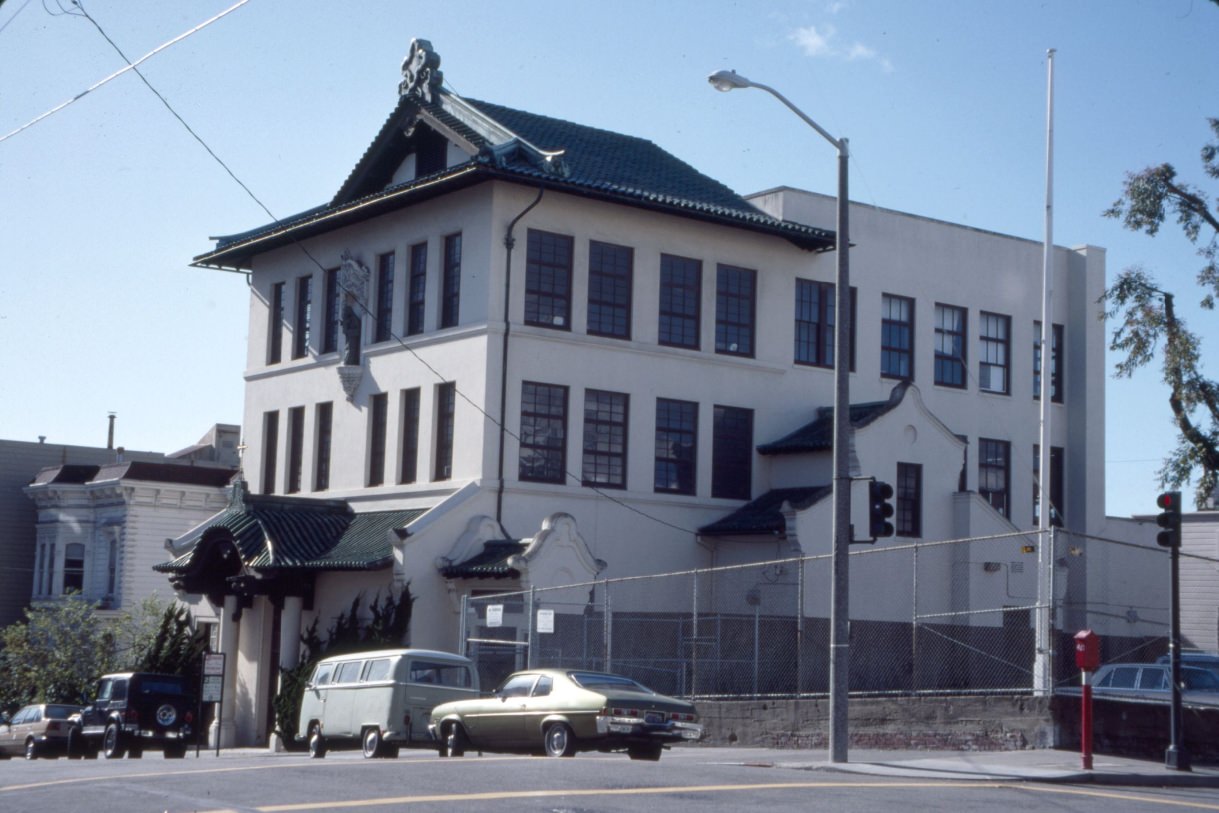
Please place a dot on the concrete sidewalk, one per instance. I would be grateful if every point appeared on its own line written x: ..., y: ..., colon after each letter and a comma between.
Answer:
x: 1041, y: 765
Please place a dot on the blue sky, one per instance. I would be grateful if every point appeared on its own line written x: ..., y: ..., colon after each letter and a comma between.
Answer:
x: 103, y: 203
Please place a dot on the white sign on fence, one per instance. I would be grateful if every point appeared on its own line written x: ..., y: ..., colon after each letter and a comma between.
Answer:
x: 495, y: 615
x: 545, y: 620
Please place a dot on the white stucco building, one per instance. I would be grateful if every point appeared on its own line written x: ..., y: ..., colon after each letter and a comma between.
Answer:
x: 513, y: 350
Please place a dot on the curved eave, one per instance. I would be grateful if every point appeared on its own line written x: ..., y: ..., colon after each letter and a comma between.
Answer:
x: 239, y: 254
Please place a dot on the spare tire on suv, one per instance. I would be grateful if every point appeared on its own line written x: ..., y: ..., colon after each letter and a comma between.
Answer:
x: 134, y: 710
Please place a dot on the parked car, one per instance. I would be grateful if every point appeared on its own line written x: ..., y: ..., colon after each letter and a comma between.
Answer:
x: 380, y: 700
x: 38, y: 730
x: 1152, y: 681
x: 133, y: 710
x: 561, y: 711
x: 1193, y: 657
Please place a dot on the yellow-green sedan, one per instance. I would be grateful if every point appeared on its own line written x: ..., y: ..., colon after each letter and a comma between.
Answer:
x: 561, y: 711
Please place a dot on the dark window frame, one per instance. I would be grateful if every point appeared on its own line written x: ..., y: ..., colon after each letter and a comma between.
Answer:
x: 951, y: 345
x: 548, y: 280
x: 606, y: 438
x: 450, y: 281
x: 408, y: 468
x: 994, y: 352
x: 1057, y: 334
x: 736, y: 302
x: 676, y: 429
x: 995, y: 474
x: 816, y: 325
x: 416, y: 293
x: 1057, y: 494
x: 275, y: 325
x: 302, y: 324
x: 383, y: 319
x: 681, y: 296
x: 543, y: 437
x: 296, y: 449
x: 333, y: 311
x: 896, y: 338
x: 323, y: 431
x: 378, y: 430
x: 611, y: 270
x: 446, y: 423
x: 270, y: 450
x: 732, y: 452
x: 908, y: 500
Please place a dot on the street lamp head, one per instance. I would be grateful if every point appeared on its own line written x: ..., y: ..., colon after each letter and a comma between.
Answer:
x: 725, y: 81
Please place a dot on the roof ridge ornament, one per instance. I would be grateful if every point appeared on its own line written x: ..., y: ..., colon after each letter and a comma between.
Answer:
x: 421, y: 71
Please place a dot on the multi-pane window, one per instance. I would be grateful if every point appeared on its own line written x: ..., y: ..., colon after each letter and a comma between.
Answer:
x: 1055, y: 363
x: 416, y: 297
x: 681, y: 291
x: 1056, y: 483
x: 378, y: 419
x: 735, y: 293
x: 446, y: 422
x: 994, y: 337
x: 332, y: 315
x: 676, y: 444
x: 732, y: 453
x: 908, y: 500
x: 994, y: 474
x: 543, y: 432
x: 548, y: 280
x: 383, y: 326
x: 74, y: 567
x: 270, y: 448
x: 897, y: 337
x: 815, y: 324
x: 304, y: 317
x: 323, y: 416
x: 296, y: 448
x: 410, y: 436
x: 605, y: 434
x: 950, y: 345
x: 275, y: 325
x: 450, y: 281
x: 609, y: 289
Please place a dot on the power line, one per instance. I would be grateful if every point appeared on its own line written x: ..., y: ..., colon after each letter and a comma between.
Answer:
x: 363, y: 306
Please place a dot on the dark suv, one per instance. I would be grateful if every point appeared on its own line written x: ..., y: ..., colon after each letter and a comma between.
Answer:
x: 137, y: 709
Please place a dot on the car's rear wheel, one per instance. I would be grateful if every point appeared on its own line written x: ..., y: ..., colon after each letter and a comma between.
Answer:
x: 113, y: 746
x: 317, y: 743
x: 651, y: 753
x: 373, y: 744
x: 31, y: 748
x: 455, y: 742
x: 559, y: 741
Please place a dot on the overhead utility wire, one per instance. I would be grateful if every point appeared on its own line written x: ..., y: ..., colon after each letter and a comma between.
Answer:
x: 131, y: 66
x: 363, y: 307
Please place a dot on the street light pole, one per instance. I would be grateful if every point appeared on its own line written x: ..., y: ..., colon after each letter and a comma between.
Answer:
x: 840, y: 623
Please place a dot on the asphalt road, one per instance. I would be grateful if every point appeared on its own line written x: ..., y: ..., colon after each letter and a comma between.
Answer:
x: 684, y: 781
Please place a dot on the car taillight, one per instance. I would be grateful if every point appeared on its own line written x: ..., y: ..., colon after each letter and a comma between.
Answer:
x: 55, y: 725
x: 188, y: 717
x: 683, y: 718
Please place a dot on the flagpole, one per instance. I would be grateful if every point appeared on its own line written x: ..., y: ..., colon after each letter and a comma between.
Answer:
x: 1043, y: 679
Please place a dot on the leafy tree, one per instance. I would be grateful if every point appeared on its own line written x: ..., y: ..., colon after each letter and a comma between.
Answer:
x: 1150, y: 325
x: 176, y: 648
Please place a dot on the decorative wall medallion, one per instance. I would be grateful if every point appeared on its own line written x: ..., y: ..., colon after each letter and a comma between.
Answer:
x: 354, y: 278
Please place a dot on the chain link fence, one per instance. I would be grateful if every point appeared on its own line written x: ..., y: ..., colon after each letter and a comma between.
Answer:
x: 958, y: 616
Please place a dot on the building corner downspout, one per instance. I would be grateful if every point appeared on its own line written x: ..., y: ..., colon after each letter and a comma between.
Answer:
x: 509, y: 244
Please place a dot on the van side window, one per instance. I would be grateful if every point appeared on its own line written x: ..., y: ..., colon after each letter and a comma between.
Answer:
x: 349, y: 672
x: 378, y: 669
x: 322, y: 676
x: 442, y: 674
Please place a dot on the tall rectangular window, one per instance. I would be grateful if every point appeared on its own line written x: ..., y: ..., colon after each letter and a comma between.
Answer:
x: 950, y: 336
x: 543, y: 457
x: 732, y: 453
x: 416, y: 297
x: 908, y: 500
x: 605, y: 436
x: 735, y: 294
x: 275, y: 325
x: 681, y: 292
x: 548, y: 280
x: 296, y: 448
x: 331, y: 313
x: 304, y: 317
x: 815, y: 325
x: 383, y: 326
x: 994, y: 474
x: 1056, y: 484
x: 73, y: 567
x: 270, y: 449
x: 676, y: 446
x: 610, y: 273
x: 446, y: 423
x: 897, y: 337
x: 378, y: 422
x: 450, y: 282
x: 323, y: 416
x: 994, y: 333
x: 1056, y: 387
x: 408, y: 471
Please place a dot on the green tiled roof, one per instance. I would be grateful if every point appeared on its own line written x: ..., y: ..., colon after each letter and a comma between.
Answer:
x: 288, y: 533
x: 516, y: 146
x: 818, y: 436
x: 763, y: 515
x: 489, y: 563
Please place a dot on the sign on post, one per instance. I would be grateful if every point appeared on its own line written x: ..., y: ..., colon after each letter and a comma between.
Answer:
x: 211, y: 690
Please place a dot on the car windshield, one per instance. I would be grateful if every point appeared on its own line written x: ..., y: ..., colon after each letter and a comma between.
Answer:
x: 1200, y: 680
x: 597, y: 680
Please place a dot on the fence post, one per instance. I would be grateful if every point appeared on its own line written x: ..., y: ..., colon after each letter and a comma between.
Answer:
x: 694, y: 639
x: 462, y: 630
x: 607, y: 619
x: 529, y: 628
x: 914, y: 670
x: 800, y: 628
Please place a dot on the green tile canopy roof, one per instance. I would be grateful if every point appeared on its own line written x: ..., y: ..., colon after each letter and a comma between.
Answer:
x: 516, y: 146
x: 764, y: 515
x: 492, y: 562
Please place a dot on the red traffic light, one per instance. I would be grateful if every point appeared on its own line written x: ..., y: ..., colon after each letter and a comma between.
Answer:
x: 1169, y: 501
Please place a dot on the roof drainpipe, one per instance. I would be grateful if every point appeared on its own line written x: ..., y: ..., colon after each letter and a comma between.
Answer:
x: 509, y: 244
x: 110, y: 434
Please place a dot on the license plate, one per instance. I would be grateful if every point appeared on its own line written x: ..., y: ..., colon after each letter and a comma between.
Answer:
x: 654, y: 718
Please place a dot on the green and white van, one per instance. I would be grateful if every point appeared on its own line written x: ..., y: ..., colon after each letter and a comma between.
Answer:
x: 380, y: 699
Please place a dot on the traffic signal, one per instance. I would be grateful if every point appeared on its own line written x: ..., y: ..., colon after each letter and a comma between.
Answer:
x: 1169, y: 519
x: 880, y: 509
